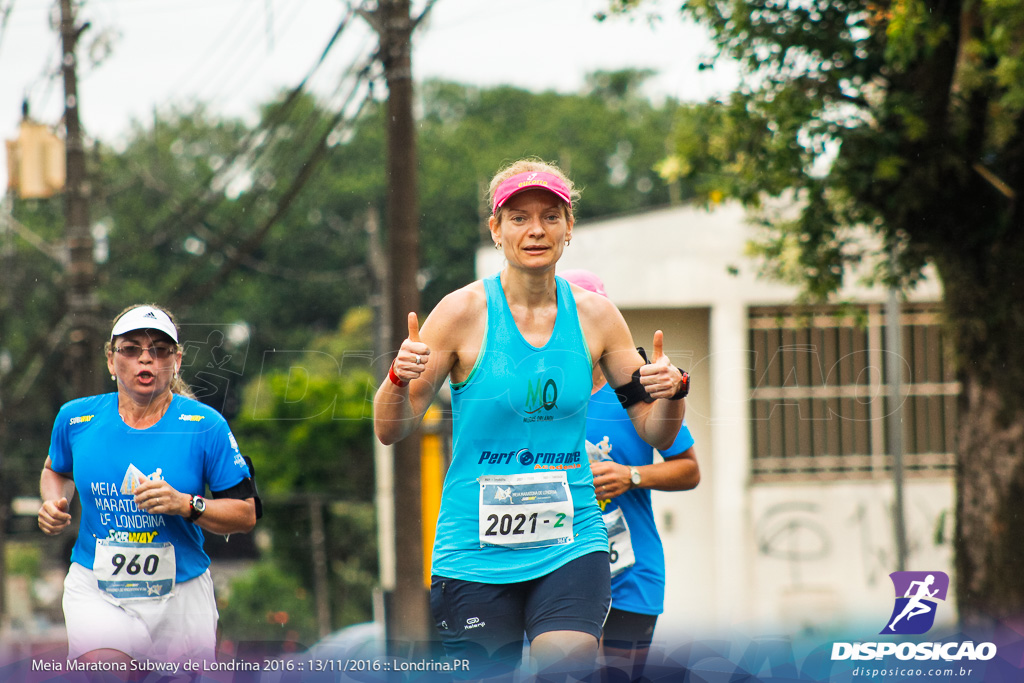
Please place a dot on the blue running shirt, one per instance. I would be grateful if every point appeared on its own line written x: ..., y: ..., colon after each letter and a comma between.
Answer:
x: 641, y: 588
x: 520, y: 416
x: 191, y: 446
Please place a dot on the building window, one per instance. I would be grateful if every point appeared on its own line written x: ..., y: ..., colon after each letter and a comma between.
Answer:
x: 820, y: 395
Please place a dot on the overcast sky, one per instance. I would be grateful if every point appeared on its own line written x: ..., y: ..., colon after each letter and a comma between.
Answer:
x: 140, y: 55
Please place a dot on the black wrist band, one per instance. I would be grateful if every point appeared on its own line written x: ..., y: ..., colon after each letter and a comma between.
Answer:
x: 684, y: 389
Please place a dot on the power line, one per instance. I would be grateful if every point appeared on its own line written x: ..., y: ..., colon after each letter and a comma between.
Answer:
x: 184, y: 295
x: 222, y: 243
x: 227, y: 37
x: 224, y: 70
x: 303, y: 275
x: 190, y: 209
x: 44, y: 349
x: 264, y: 147
x: 237, y: 77
x: 5, y: 16
x: 48, y: 78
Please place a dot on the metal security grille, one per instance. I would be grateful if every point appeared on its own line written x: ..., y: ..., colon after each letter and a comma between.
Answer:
x: 820, y: 398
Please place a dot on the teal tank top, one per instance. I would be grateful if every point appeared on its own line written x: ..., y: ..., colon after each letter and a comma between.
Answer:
x: 518, y: 500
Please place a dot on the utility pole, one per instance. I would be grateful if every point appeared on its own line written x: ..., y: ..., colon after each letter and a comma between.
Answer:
x: 321, y: 585
x: 894, y: 371
x: 407, y: 609
x: 82, y: 304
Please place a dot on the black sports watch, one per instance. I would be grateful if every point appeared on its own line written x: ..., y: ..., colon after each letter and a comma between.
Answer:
x: 196, y: 506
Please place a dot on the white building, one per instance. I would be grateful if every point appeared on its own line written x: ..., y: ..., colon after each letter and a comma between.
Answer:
x: 791, y: 527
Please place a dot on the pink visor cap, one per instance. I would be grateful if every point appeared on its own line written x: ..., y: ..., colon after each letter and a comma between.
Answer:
x: 531, y: 180
x: 586, y: 280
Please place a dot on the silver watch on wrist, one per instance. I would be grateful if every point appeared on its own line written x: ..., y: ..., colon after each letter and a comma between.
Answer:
x: 634, y: 477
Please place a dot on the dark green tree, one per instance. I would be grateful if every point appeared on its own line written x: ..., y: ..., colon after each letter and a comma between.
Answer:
x: 267, y: 610
x: 308, y: 430
x: 607, y: 138
x: 904, y: 118
x: 32, y: 373
x: 210, y: 216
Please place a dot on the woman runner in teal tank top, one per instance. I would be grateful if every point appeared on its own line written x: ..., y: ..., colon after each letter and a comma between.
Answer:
x: 520, y: 546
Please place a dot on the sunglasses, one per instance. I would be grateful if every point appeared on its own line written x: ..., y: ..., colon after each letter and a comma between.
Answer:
x: 135, y: 351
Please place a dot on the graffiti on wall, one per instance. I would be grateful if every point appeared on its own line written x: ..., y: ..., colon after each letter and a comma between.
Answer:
x: 809, y: 535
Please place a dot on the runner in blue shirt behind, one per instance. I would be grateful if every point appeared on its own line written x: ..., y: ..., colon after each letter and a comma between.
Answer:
x: 141, y: 459
x: 624, y: 474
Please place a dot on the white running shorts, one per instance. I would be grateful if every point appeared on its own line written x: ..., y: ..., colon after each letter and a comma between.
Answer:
x: 182, y: 626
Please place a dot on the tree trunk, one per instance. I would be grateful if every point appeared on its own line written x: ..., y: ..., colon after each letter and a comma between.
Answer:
x: 986, y: 317
x: 990, y: 507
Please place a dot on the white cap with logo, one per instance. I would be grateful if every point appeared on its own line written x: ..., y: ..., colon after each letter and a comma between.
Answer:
x: 145, y: 318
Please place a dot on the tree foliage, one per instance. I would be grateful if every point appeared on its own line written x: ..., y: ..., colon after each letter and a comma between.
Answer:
x: 608, y: 138
x: 287, y: 619
x: 904, y: 118
x: 307, y: 425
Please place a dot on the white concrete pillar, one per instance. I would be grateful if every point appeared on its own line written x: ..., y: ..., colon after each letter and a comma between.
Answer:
x: 730, y: 458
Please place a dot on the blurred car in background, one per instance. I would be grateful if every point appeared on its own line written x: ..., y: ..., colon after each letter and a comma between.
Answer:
x: 358, y: 641
x: 353, y: 653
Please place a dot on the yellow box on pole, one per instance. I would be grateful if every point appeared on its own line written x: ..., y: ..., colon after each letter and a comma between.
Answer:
x: 431, y: 481
x: 35, y: 162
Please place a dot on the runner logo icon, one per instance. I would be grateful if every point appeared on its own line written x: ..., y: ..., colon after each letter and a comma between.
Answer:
x: 917, y: 596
